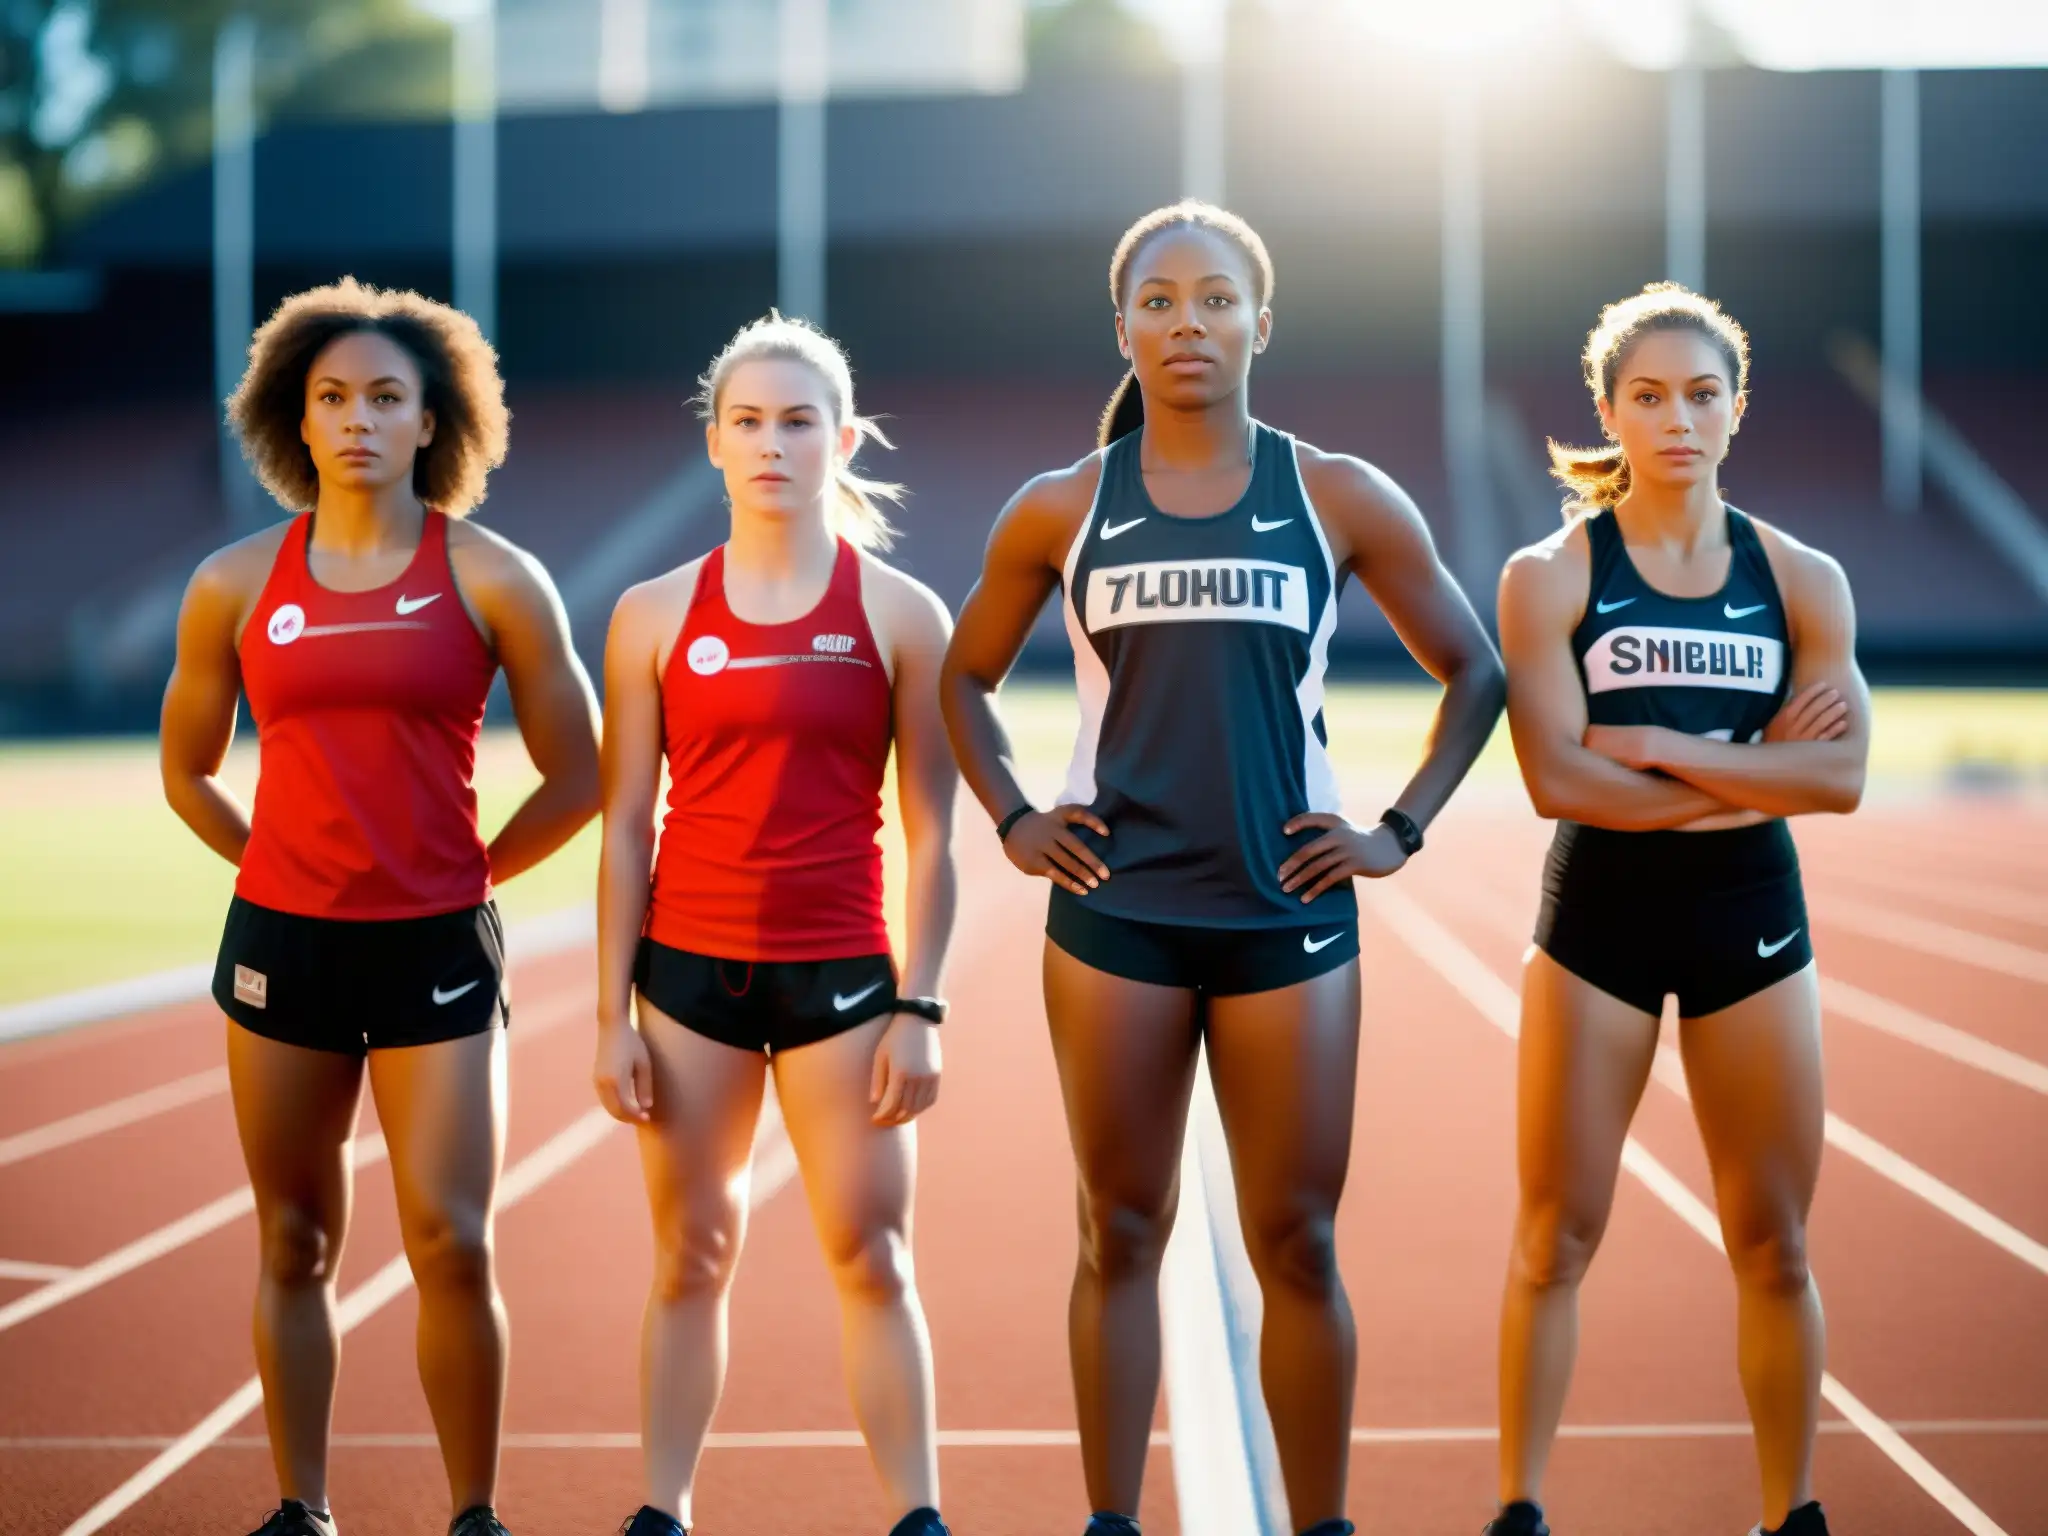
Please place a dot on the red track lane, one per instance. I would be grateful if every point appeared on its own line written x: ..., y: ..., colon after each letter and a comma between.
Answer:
x: 1928, y: 1321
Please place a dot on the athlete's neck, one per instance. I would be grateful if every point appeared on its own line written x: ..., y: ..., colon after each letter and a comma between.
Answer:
x: 1211, y: 437
x: 778, y: 549
x: 374, y: 521
x: 1683, y: 518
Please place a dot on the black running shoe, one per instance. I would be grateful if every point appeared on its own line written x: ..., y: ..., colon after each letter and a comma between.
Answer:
x: 649, y: 1521
x: 1520, y: 1518
x: 477, y: 1520
x: 1806, y: 1520
x: 1331, y: 1528
x: 923, y: 1521
x: 1104, y: 1523
x: 291, y: 1518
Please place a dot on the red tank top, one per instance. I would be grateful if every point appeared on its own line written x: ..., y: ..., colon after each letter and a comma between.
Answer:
x: 367, y: 706
x: 777, y: 737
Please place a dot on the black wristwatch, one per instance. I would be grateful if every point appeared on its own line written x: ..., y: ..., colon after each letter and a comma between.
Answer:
x: 931, y: 1009
x: 1406, y: 833
x: 1009, y: 821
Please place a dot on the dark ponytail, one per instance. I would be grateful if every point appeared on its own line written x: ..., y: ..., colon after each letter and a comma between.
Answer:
x: 1124, y: 414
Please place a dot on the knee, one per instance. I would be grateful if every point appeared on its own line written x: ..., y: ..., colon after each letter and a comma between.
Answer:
x: 1297, y: 1253
x: 1554, y: 1246
x: 450, y: 1250
x: 298, y: 1248
x: 696, y: 1257
x: 872, y: 1266
x: 1122, y: 1239
x: 1771, y: 1262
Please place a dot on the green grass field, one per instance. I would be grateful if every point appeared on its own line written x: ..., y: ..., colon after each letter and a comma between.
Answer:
x: 98, y: 880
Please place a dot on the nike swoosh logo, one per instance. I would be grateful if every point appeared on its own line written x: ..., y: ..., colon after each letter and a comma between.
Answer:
x: 1743, y: 613
x: 1259, y: 527
x: 1111, y: 530
x: 1607, y: 607
x: 449, y: 997
x: 1768, y: 950
x: 415, y: 604
x: 842, y: 1002
x: 1313, y: 945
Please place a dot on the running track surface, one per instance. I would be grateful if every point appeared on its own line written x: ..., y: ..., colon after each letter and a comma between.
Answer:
x: 1927, y: 1240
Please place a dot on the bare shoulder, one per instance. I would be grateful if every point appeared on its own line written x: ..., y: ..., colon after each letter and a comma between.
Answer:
x: 1551, y: 574
x: 912, y: 608
x: 659, y: 600
x: 1335, y: 481
x: 483, y: 553
x: 240, y: 569
x: 1798, y: 566
x: 1048, y: 510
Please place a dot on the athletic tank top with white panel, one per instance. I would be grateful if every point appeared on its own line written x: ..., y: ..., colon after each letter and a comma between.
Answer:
x: 1709, y: 666
x: 1200, y: 647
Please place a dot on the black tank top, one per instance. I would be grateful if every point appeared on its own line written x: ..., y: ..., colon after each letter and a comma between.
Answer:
x: 1709, y: 666
x: 1200, y: 646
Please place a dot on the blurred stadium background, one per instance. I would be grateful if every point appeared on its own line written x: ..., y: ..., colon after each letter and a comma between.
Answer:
x: 1450, y: 190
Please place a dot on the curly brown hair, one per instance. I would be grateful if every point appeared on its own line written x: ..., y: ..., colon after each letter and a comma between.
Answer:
x: 458, y: 380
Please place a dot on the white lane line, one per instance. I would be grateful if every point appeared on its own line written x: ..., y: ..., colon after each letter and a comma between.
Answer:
x: 1932, y: 938
x: 560, y: 1151
x: 151, y: 1246
x: 1225, y: 1471
x: 1497, y: 1003
x: 22, y: 1269
x: 214, y: 1215
x: 1881, y: 1013
x: 1008, y: 1439
x: 1985, y: 896
x: 1850, y: 1002
x: 529, y: 939
x: 113, y: 1115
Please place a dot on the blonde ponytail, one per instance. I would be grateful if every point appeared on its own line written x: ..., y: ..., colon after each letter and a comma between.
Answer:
x: 1596, y: 477
x: 855, y: 513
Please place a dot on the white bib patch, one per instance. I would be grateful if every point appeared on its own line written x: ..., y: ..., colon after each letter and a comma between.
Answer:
x: 287, y: 624
x: 1188, y: 591
x: 1640, y: 656
x: 708, y: 655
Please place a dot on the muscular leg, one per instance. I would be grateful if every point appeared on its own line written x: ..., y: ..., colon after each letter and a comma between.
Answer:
x: 1755, y: 1074
x: 295, y: 1109
x: 442, y: 1107
x: 1285, y: 1067
x: 697, y: 1160
x: 1126, y: 1054
x: 860, y: 1178
x: 1583, y: 1061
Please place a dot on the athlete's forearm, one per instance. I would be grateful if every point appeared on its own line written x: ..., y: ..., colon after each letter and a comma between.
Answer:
x: 1574, y: 783
x: 980, y: 744
x: 556, y: 811
x: 625, y: 867
x: 1779, y: 778
x: 931, y: 902
x: 1465, y: 717
x: 209, y: 808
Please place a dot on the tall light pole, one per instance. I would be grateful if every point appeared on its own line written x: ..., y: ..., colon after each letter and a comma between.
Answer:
x: 1685, y: 175
x: 803, y: 81
x: 1204, y: 114
x: 1463, y: 285
x: 234, y: 246
x: 1899, y: 282
x: 476, y: 164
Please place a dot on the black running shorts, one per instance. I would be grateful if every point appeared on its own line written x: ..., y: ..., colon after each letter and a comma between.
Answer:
x: 1713, y: 917
x: 339, y: 985
x: 1222, y: 962
x: 764, y: 1005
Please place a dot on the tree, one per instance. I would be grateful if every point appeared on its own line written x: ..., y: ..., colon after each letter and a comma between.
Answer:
x: 97, y: 96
